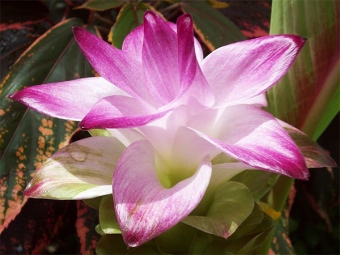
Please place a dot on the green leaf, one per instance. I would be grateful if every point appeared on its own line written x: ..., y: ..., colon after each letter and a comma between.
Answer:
x: 114, y: 244
x: 308, y: 97
x: 93, y: 202
x: 231, y: 205
x: 107, y: 216
x: 27, y: 138
x: 101, y: 5
x: 243, y: 241
x: 255, y: 217
x: 214, y: 29
x: 100, y: 132
x: 264, y: 182
x: 248, y: 237
x: 81, y: 170
x: 176, y: 240
x: 129, y: 17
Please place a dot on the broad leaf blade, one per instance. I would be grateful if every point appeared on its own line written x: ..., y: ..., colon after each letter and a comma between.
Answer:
x: 213, y: 27
x: 220, y: 219
x: 264, y: 182
x: 129, y: 17
x: 308, y: 97
x: 107, y: 216
x: 28, y: 138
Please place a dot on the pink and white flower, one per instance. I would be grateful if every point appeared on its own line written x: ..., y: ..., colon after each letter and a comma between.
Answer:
x: 182, y: 118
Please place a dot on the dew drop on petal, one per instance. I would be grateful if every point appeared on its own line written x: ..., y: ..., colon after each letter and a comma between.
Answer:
x: 76, y: 152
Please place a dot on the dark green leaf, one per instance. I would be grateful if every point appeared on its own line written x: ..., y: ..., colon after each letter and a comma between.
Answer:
x: 281, y: 243
x: 212, y: 27
x: 244, y: 242
x: 93, y: 202
x: 129, y: 17
x: 231, y: 205
x: 114, y: 244
x: 101, y: 5
x: 258, y: 182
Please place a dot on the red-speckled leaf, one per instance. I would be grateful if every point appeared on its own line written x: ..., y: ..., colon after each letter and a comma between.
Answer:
x: 43, y: 226
x: 27, y: 138
x: 19, y: 27
x: 252, y: 17
x: 129, y: 17
x: 87, y: 219
x: 281, y: 243
x: 212, y: 26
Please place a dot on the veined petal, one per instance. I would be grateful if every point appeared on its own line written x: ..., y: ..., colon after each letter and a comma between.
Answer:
x: 258, y: 140
x: 81, y: 170
x: 160, y: 59
x: 133, y: 42
x: 119, y: 67
x: 66, y: 100
x: 191, y: 77
x: 119, y: 112
x: 144, y: 208
x: 187, y: 62
x: 245, y: 69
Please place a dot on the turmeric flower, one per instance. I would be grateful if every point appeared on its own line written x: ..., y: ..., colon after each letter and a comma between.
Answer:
x: 177, y: 121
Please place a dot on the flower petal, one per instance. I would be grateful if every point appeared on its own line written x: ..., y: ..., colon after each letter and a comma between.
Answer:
x: 187, y: 62
x: 80, y: 170
x: 258, y: 140
x: 143, y: 206
x: 160, y: 59
x: 66, y: 100
x: 133, y: 42
x: 190, y: 150
x: 315, y: 155
x: 119, y: 112
x: 119, y: 67
x: 245, y: 69
x: 191, y: 77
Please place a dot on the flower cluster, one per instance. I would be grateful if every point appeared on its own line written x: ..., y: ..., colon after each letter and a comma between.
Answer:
x: 180, y: 124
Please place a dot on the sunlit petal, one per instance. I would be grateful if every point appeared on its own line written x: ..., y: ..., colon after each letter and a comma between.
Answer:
x: 80, y: 170
x: 119, y: 112
x: 67, y: 100
x: 245, y: 69
x: 143, y: 206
